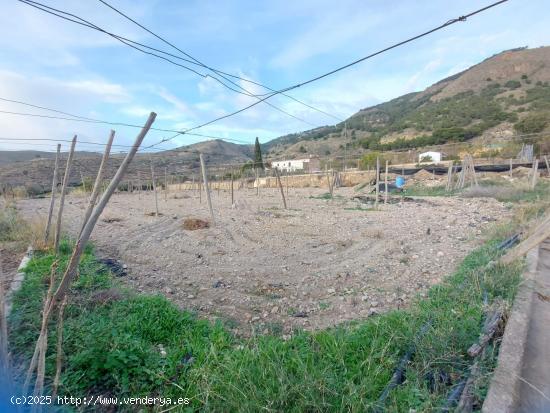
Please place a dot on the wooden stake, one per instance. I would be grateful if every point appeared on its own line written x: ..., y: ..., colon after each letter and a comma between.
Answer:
x: 54, y: 190
x: 465, y: 404
x: 165, y: 184
x: 82, y: 180
x: 59, y: 349
x: 547, y: 165
x: 286, y: 173
x: 280, y: 186
x: 154, y: 186
x: 329, y: 184
x: 70, y: 271
x: 62, y: 198
x: 510, y: 167
x: 98, y: 181
x: 232, y: 199
x: 206, y: 188
x: 449, y: 177
x: 537, y: 236
x: 377, y: 180
x: 535, y: 173
x: 386, y: 185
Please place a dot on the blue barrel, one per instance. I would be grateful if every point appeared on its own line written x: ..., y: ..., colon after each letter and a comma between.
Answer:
x: 399, y: 182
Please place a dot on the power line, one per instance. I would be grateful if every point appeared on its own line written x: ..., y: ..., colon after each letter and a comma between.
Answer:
x: 217, y: 71
x: 355, y: 62
x: 79, y: 118
x: 133, y: 44
x: 411, y: 39
x: 267, y: 96
x: 65, y: 140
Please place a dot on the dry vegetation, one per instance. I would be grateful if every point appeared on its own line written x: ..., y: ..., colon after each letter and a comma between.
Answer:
x: 192, y: 224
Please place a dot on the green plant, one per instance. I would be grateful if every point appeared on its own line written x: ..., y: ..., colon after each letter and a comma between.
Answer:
x: 532, y: 123
x: 368, y: 160
x: 258, y: 161
x: 426, y: 158
x: 512, y: 84
x: 134, y: 345
x: 9, y: 223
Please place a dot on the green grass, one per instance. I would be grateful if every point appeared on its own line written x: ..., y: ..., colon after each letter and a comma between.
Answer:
x: 326, y: 196
x: 498, y: 189
x: 112, y: 347
x: 421, y: 190
x: 359, y: 208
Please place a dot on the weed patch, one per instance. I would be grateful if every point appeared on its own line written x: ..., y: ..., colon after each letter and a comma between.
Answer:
x: 192, y: 224
x: 112, y: 339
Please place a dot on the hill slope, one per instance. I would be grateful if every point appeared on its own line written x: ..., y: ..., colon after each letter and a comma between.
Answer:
x: 180, y: 162
x: 504, y: 95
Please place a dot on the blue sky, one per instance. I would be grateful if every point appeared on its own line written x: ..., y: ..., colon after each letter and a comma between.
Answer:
x: 54, y: 63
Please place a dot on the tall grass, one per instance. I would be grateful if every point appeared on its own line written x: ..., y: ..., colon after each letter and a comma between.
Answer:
x: 15, y: 229
x: 114, y: 341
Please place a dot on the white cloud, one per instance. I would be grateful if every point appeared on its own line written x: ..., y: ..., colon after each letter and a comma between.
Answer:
x: 328, y: 32
x: 80, y: 97
x: 110, y: 92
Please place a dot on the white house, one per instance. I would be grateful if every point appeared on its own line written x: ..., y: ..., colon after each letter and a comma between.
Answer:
x: 308, y: 165
x: 430, y: 157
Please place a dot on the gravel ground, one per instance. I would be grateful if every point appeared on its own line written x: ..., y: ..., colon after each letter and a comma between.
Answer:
x: 266, y: 269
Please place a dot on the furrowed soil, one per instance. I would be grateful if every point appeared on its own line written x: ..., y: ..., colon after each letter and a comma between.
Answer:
x: 262, y: 268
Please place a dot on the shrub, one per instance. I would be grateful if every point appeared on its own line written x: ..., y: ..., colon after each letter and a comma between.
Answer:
x: 532, y: 123
x: 426, y: 158
x: 369, y: 160
x: 8, y: 223
x: 513, y: 84
x: 34, y: 189
x: 20, y: 192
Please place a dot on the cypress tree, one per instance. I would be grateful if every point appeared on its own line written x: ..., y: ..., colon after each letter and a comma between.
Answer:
x: 258, y: 161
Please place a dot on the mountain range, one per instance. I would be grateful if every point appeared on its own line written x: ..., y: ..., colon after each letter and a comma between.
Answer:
x: 503, y: 99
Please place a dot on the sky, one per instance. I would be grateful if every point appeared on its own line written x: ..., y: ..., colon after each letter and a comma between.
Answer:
x: 50, y: 62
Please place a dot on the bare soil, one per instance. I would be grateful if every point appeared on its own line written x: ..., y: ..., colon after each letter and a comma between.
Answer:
x: 263, y: 268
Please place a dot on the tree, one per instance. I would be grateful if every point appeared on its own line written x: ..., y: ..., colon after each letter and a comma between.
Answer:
x: 532, y: 123
x: 258, y: 161
x: 369, y: 160
x: 426, y: 158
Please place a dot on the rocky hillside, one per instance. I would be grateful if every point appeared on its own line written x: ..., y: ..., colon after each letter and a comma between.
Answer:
x: 36, y: 172
x: 505, y: 95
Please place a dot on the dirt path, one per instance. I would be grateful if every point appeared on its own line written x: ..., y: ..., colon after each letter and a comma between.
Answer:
x: 317, y: 264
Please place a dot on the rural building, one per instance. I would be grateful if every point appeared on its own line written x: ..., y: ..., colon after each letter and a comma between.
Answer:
x: 434, y: 157
x: 307, y: 165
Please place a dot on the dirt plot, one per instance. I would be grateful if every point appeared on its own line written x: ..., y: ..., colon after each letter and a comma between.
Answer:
x: 264, y: 268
